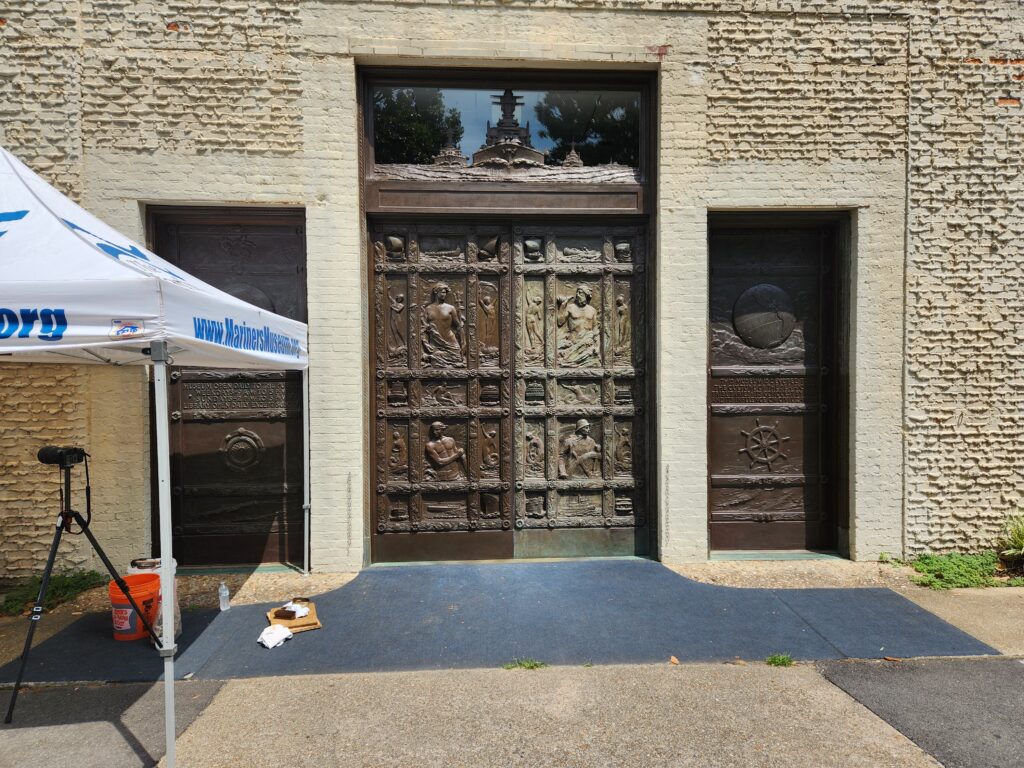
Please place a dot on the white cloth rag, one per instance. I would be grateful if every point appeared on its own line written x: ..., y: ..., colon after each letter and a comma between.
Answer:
x: 301, y: 609
x: 274, y: 635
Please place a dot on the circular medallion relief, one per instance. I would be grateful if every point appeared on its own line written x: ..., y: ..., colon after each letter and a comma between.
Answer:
x: 764, y: 316
x: 242, y: 450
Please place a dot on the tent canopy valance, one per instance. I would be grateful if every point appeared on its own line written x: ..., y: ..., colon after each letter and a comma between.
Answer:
x: 75, y: 289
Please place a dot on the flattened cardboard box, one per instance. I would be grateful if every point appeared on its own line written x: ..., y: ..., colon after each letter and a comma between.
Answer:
x: 306, y: 623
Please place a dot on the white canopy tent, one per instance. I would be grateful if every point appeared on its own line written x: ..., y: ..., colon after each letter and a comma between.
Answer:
x: 74, y: 290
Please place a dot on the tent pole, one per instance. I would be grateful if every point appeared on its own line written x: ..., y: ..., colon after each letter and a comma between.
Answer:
x: 305, y: 471
x: 158, y: 352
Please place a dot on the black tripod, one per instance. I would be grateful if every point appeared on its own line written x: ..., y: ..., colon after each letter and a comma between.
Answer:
x: 65, y: 458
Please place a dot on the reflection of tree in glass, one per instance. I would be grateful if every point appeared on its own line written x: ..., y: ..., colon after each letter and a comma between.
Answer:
x: 410, y: 125
x: 604, y: 126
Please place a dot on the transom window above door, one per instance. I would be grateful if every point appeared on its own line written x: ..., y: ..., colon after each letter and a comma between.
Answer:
x: 422, y: 124
x: 505, y: 121
x: 501, y: 141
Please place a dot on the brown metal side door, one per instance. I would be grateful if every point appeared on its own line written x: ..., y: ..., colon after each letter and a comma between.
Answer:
x: 236, y: 436
x: 442, y: 398
x: 771, y: 342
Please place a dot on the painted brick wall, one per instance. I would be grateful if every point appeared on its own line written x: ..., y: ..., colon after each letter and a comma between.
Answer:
x: 790, y: 103
x: 806, y: 87
x: 965, y: 275
x: 39, y: 405
x: 40, y: 111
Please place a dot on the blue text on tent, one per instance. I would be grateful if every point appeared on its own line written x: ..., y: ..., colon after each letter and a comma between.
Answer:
x: 240, y: 336
x: 48, y: 324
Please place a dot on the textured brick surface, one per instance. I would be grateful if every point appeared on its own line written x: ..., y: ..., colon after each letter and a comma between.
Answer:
x: 965, y: 276
x: 39, y: 405
x: 905, y: 112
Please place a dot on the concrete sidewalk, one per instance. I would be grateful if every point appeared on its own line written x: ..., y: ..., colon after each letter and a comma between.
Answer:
x: 697, y: 715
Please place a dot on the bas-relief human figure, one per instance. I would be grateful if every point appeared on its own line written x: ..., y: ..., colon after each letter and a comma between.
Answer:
x: 446, y: 460
x: 442, y: 396
x: 398, y: 461
x: 534, y: 451
x: 396, y: 325
x: 488, y: 320
x: 535, y: 324
x: 442, y: 330
x: 580, y: 343
x: 578, y: 455
x: 623, y: 449
x: 489, y: 456
x: 622, y: 327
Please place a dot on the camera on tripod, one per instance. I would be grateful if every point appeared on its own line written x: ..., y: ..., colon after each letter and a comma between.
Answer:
x: 63, y: 456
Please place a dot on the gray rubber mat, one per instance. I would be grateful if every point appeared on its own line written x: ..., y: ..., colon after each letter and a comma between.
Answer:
x: 575, y: 612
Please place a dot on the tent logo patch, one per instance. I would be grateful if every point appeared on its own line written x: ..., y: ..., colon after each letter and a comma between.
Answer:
x: 126, y: 329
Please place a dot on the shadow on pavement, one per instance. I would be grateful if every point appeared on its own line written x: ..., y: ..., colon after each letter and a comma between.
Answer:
x: 101, y: 725
x: 85, y: 650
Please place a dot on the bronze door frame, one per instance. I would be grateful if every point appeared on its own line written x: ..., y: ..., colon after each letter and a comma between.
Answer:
x: 830, y: 375
x: 499, y: 543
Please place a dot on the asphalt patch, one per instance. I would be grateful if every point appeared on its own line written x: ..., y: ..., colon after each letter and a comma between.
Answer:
x: 964, y: 712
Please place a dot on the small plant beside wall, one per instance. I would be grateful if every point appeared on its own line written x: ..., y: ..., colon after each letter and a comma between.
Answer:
x: 1011, y: 545
x: 956, y: 570
x: 1002, y: 568
x: 63, y: 588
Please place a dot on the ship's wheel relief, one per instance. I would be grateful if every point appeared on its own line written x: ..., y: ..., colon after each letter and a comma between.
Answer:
x: 764, y: 444
x: 242, y: 450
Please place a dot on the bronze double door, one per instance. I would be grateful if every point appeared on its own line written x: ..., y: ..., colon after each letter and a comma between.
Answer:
x: 236, y: 436
x: 773, y: 392
x: 508, y: 401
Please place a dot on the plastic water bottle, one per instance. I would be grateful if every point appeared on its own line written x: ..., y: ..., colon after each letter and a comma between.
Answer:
x: 224, y: 595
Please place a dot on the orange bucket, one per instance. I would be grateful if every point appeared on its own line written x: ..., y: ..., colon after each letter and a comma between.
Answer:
x: 145, y: 589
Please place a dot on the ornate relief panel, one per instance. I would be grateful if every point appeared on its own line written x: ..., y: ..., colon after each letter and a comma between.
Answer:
x: 442, y: 371
x: 579, y: 369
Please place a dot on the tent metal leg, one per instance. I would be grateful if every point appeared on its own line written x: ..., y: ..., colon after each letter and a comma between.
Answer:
x: 305, y: 471
x: 163, y: 468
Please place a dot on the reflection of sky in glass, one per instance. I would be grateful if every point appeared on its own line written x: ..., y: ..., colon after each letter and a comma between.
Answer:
x: 590, y: 113
x: 477, y: 109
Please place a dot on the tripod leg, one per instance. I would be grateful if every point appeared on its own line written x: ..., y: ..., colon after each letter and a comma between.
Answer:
x: 37, y: 614
x: 117, y: 578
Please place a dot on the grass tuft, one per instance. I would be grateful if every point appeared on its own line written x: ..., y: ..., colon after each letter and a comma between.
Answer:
x: 62, y: 588
x: 955, y: 570
x: 524, y: 664
x: 779, y: 660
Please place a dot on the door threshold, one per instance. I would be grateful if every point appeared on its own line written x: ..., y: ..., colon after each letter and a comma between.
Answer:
x: 506, y: 561
x: 773, y: 554
x: 211, y: 570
